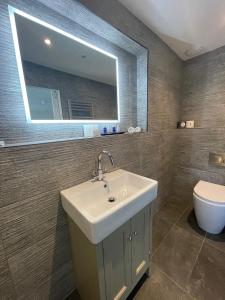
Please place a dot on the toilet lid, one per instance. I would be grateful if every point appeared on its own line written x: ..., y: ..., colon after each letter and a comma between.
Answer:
x: 210, y: 191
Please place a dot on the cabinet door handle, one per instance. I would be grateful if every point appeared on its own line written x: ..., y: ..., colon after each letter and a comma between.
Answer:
x: 134, y: 233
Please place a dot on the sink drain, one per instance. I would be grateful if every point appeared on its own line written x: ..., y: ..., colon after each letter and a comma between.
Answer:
x: 111, y: 199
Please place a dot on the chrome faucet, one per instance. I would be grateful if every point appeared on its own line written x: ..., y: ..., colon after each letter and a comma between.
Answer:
x: 100, y: 172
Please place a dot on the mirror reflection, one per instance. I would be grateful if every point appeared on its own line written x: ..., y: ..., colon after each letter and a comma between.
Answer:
x: 65, y: 79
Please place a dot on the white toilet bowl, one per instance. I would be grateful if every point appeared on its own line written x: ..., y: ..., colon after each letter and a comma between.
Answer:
x: 209, y: 206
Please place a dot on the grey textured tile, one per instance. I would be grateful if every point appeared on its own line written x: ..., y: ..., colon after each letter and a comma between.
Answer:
x: 172, y: 210
x: 164, y: 112
x: 217, y: 241
x: 160, y: 286
x: 185, y: 179
x: 163, y: 220
x: 173, y: 258
x: 208, y: 277
x: 34, y: 267
x: 7, y: 291
x: 26, y: 224
x: 189, y: 223
x: 160, y: 228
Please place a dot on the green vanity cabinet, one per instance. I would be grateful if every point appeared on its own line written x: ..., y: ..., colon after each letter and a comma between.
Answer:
x: 111, y: 269
x: 117, y: 262
x: 140, y: 228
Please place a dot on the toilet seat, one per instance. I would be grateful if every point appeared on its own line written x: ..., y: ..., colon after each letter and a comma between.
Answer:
x: 210, y: 192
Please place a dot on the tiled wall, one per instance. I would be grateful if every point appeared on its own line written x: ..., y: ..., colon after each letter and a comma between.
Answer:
x: 203, y: 100
x: 81, y: 90
x: 35, y: 259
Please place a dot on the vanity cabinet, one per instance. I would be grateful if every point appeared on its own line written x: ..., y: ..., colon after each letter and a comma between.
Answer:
x: 112, y: 268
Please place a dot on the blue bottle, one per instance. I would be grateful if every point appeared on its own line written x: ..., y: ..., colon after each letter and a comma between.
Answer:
x: 104, y: 130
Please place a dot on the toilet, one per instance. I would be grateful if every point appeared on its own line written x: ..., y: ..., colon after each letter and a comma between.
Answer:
x: 209, y: 206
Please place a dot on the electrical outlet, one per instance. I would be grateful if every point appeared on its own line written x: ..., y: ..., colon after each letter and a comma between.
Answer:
x: 190, y: 124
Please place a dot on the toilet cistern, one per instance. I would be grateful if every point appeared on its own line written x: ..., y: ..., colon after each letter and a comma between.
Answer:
x: 100, y: 172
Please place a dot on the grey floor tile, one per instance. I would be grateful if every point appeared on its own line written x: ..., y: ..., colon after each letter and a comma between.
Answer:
x: 177, y: 254
x: 160, y: 287
x: 172, y: 210
x: 161, y: 227
x: 164, y: 220
x: 217, y: 241
x: 189, y: 223
x: 207, y: 280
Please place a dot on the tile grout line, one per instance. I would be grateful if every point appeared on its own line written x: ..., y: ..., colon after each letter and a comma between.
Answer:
x: 171, y: 279
x: 195, y: 235
x: 179, y: 218
x: 197, y: 256
x: 212, y: 245
x: 173, y: 225
x: 177, y: 284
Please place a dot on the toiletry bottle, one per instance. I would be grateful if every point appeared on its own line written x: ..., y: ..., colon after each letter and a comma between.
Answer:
x: 104, y: 130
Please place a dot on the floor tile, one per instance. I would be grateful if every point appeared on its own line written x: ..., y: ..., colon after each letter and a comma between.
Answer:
x: 163, y: 221
x: 217, y: 241
x: 207, y: 280
x: 161, y: 227
x: 160, y: 287
x: 171, y: 211
x: 177, y: 254
x: 74, y: 296
x: 189, y: 223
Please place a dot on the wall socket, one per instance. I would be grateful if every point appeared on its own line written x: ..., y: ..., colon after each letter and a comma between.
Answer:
x: 190, y: 124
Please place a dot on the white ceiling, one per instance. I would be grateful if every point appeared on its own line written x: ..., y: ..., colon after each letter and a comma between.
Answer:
x: 189, y: 27
x: 65, y: 54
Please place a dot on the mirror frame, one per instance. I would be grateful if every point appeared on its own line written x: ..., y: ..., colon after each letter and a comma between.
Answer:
x: 12, y: 12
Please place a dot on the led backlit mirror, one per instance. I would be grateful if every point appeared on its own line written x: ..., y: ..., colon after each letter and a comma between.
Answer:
x: 68, y: 78
x: 63, y: 78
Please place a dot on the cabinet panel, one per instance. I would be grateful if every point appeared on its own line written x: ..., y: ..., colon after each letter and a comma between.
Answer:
x: 140, y: 243
x: 117, y: 263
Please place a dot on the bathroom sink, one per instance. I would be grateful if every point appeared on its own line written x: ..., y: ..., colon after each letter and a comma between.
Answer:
x: 100, y: 207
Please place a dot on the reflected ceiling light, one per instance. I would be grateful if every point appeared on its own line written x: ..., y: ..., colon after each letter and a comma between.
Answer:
x: 47, y: 42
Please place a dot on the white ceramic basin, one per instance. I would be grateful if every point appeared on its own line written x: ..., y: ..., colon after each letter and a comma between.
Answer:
x: 88, y: 206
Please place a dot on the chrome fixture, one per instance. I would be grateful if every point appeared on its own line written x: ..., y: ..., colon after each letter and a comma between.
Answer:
x: 100, y: 173
x: 217, y: 159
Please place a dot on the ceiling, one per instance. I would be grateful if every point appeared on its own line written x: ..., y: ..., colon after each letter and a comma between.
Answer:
x: 64, y: 54
x: 189, y: 27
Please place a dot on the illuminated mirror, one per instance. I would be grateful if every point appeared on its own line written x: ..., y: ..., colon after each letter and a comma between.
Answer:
x: 63, y: 78
x: 69, y: 77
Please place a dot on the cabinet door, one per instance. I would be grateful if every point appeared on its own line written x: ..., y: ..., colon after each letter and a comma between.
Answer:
x: 140, y: 230
x: 117, y: 263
